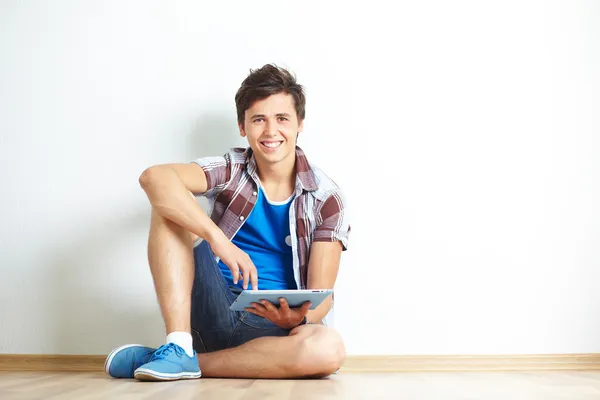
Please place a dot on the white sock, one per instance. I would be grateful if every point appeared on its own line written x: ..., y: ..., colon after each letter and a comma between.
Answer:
x: 183, y: 340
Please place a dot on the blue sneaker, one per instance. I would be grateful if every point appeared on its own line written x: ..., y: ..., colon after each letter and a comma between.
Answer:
x: 123, y: 361
x: 170, y: 362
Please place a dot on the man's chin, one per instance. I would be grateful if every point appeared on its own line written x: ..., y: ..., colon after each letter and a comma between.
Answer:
x: 272, y: 158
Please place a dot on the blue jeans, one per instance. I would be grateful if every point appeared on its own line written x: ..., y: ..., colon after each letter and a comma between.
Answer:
x: 214, y: 326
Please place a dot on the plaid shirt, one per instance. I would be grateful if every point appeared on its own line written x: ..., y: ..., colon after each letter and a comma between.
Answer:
x: 317, y: 213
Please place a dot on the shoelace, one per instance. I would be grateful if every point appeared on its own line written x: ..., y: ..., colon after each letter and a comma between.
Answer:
x: 163, y: 351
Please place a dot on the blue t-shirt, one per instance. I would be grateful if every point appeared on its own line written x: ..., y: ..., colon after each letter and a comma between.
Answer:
x: 265, y: 237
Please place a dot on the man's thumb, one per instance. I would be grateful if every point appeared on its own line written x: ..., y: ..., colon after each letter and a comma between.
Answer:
x: 306, y: 306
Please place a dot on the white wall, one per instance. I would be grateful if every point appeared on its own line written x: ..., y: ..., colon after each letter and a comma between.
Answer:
x: 482, y: 119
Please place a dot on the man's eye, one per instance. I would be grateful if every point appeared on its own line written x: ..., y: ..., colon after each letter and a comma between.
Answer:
x: 283, y: 119
x: 258, y: 120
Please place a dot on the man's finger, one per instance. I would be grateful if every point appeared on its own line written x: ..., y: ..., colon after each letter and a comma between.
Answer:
x: 283, y: 304
x: 252, y: 273
x: 254, y: 278
x: 259, y: 307
x: 268, y: 305
x: 235, y: 273
x: 245, y: 277
x: 305, y: 307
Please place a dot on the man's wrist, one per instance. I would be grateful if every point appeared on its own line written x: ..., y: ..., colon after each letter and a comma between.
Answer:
x: 215, y: 236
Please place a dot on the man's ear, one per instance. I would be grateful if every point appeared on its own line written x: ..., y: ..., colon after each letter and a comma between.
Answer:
x: 242, y: 131
x: 300, y: 128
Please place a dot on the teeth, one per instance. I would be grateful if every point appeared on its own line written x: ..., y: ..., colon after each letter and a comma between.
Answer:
x: 272, y: 144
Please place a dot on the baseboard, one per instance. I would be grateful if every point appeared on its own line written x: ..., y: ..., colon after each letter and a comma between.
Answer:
x: 538, y: 362
x: 51, y: 362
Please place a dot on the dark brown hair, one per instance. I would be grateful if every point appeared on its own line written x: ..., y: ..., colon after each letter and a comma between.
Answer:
x: 264, y: 82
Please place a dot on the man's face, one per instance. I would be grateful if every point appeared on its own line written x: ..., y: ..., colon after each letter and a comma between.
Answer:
x: 271, y: 127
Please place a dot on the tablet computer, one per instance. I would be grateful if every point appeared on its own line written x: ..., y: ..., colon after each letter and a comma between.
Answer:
x: 295, y: 298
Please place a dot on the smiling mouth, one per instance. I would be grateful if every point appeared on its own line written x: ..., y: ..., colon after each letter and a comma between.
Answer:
x: 271, y: 144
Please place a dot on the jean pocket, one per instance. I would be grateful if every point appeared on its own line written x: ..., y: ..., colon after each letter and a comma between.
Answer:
x: 256, y: 321
x: 251, y: 327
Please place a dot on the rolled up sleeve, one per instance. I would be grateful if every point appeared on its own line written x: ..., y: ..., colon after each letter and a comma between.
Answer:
x: 217, y: 171
x: 334, y: 225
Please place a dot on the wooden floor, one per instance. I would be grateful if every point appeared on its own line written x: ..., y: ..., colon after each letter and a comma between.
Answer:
x: 571, y: 385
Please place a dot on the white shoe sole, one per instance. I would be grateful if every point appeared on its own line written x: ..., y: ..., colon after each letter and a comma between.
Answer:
x: 113, y: 353
x: 144, y: 374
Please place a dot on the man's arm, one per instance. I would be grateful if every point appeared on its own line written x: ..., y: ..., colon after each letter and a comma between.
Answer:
x: 323, y: 266
x: 168, y: 187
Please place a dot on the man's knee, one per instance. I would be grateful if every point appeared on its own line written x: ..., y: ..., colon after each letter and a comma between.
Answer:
x: 321, y: 351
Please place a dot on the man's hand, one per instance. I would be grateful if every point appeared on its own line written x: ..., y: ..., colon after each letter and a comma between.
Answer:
x: 284, y: 316
x: 239, y: 263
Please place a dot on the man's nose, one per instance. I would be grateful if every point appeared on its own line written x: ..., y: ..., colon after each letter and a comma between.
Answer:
x: 271, y: 128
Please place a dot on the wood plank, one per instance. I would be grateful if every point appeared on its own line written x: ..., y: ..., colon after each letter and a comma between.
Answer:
x: 539, y: 385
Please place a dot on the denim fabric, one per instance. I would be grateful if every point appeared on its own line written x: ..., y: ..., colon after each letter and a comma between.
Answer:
x: 214, y: 326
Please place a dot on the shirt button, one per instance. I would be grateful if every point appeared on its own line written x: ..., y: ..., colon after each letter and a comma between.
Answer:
x: 241, y: 217
x: 253, y: 193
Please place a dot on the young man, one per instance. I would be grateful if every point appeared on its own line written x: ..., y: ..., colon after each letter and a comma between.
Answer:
x: 277, y: 223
